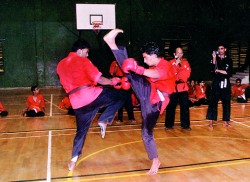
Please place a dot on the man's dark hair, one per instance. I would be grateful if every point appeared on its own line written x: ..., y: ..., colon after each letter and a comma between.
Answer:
x: 80, y: 44
x: 33, y: 87
x: 221, y: 44
x: 151, y: 48
x: 200, y: 80
x: 238, y: 80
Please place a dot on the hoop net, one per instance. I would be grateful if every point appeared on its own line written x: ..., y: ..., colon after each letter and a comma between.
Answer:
x: 96, y: 26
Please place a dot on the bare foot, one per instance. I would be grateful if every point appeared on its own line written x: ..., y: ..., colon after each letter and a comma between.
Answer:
x: 155, y: 166
x: 210, y: 124
x: 109, y: 38
x: 227, y: 124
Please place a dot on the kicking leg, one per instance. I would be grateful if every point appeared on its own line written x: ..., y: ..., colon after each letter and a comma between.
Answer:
x: 109, y: 38
x: 142, y: 90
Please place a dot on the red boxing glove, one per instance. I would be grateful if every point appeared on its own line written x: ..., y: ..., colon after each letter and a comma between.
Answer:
x: 130, y: 64
x: 125, y: 83
x: 116, y: 82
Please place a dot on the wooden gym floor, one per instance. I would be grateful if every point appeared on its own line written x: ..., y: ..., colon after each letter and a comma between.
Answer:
x: 38, y: 149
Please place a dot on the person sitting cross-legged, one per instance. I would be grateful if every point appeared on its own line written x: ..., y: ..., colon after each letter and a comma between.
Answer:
x: 35, y: 104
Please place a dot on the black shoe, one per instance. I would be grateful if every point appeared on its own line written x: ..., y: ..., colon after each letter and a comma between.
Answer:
x: 169, y: 128
x: 186, y: 128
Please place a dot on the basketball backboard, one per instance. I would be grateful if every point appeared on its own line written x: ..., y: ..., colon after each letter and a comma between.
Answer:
x: 88, y: 16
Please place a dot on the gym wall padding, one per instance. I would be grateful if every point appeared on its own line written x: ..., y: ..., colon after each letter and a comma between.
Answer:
x: 37, y: 34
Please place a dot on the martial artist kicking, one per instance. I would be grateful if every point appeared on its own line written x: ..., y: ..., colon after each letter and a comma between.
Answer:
x: 152, y: 87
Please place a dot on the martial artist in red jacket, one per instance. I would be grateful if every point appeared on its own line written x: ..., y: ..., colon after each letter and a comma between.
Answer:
x: 152, y: 87
x: 182, y: 73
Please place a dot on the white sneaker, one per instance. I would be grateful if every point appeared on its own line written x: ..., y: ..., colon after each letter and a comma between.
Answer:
x: 103, y: 127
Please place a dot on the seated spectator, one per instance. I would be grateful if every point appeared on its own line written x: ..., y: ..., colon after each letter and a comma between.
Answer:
x: 238, y: 91
x: 116, y: 71
x: 65, y: 104
x: 35, y: 104
x: 3, y: 112
x: 200, y: 90
x: 192, y: 101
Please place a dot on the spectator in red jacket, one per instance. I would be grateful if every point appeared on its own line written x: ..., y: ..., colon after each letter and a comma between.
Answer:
x: 3, y: 111
x: 182, y: 72
x: 65, y: 104
x: 116, y: 71
x: 192, y: 101
x: 238, y: 91
x: 200, y: 90
x: 35, y: 104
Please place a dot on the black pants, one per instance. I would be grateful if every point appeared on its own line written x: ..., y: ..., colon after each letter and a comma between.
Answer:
x: 110, y: 99
x: 150, y: 112
x: 216, y: 95
x: 128, y: 106
x: 4, y: 113
x: 71, y: 111
x: 241, y: 100
x: 32, y: 113
x: 182, y: 99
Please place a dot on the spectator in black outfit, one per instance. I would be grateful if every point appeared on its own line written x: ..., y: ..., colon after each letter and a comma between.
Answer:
x: 221, y: 87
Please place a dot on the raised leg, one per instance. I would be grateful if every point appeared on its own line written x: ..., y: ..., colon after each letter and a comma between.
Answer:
x: 142, y: 89
x: 109, y: 38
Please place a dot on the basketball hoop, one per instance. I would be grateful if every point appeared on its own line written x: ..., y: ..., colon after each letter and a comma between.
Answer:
x: 96, y: 26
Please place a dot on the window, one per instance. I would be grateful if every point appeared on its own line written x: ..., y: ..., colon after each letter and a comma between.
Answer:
x: 171, y: 44
x: 238, y: 53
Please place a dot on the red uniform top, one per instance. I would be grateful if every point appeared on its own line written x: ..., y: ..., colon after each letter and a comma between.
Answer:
x: 1, y: 107
x: 165, y: 83
x: 238, y: 90
x: 200, y: 92
x: 115, y: 69
x: 75, y: 71
x: 37, y: 105
x: 182, y: 72
x: 191, y: 92
x: 65, y: 103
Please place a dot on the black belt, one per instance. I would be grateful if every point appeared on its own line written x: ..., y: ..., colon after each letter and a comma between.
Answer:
x: 179, y: 82
x: 77, y: 89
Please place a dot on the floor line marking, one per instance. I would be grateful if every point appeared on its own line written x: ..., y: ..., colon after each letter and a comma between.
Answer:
x: 240, y: 123
x: 107, y: 131
x: 164, y: 171
x: 49, y: 157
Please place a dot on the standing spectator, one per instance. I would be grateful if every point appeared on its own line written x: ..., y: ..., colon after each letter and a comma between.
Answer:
x: 65, y: 104
x: 221, y: 66
x: 3, y: 112
x: 116, y: 71
x: 35, y: 104
x: 238, y: 91
x: 182, y: 72
x: 200, y: 90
